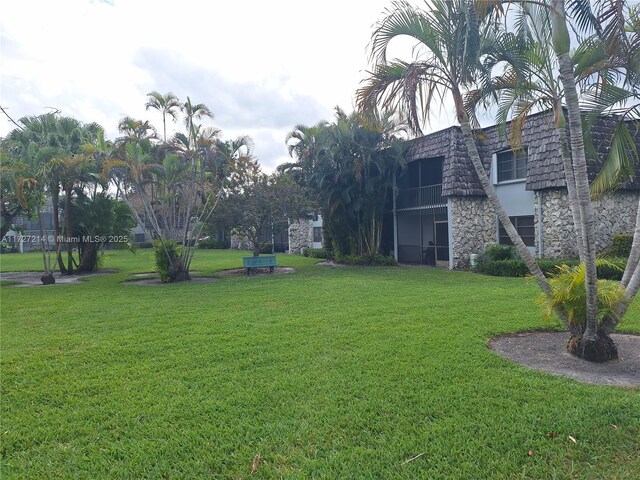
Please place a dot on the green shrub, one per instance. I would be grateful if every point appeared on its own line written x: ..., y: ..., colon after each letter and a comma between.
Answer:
x: 213, y: 243
x: 568, y: 291
x: 611, y: 268
x: 165, y: 254
x: 549, y: 266
x: 504, y: 268
x: 368, y: 260
x: 315, y: 253
x: 621, y: 246
x: 500, y: 252
x: 608, y: 269
x: 6, y: 247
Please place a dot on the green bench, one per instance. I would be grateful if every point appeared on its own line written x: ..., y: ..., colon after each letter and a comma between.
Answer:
x: 263, y: 261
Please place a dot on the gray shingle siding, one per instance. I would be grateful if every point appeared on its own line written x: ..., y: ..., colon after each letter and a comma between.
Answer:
x: 544, y: 166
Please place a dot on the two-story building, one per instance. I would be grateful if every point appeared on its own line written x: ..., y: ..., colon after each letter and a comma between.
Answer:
x: 441, y: 215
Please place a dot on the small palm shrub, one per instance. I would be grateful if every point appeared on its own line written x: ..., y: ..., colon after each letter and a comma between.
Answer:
x: 166, y: 254
x: 569, y: 292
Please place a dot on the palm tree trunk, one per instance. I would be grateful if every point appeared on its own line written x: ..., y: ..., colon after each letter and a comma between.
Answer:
x: 561, y: 44
x: 68, y: 229
x: 570, y: 180
x: 47, y: 278
x: 634, y: 255
x: 630, y: 279
x: 56, y: 228
x: 490, y: 191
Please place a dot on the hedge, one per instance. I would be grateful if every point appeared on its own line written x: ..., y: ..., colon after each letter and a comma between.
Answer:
x: 315, y: 253
x: 612, y: 269
x: 368, y: 260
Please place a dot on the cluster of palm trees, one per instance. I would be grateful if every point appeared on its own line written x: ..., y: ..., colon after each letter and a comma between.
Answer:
x: 169, y: 185
x: 349, y: 166
x: 51, y: 158
x: 173, y: 184
x: 516, y: 57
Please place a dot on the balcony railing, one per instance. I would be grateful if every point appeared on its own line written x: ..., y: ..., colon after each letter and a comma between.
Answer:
x: 420, y: 197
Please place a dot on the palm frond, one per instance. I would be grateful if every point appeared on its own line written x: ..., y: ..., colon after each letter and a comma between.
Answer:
x: 619, y: 167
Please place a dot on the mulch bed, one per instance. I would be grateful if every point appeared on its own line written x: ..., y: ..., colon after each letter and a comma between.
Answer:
x: 546, y: 351
x: 32, y: 279
x: 257, y: 271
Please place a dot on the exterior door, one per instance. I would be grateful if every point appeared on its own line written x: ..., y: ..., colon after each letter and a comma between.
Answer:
x: 442, y: 242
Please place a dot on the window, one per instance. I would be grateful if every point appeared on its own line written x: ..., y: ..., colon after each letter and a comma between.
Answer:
x: 317, y: 234
x: 511, y: 165
x: 524, y: 227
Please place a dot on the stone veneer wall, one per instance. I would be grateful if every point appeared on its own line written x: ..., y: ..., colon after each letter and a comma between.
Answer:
x: 473, y: 226
x: 300, y: 235
x: 615, y: 214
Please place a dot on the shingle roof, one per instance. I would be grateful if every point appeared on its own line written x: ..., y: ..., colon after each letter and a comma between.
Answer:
x: 544, y: 166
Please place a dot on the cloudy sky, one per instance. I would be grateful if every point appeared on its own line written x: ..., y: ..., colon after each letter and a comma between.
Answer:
x: 261, y: 66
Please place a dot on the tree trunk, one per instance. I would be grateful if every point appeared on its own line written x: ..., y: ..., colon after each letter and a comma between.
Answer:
x: 47, y: 278
x: 68, y: 229
x: 490, y: 191
x: 634, y: 255
x: 56, y: 228
x: 561, y: 128
x: 88, y: 253
x: 561, y: 44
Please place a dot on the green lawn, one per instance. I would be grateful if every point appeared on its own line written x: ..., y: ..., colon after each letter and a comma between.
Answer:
x: 326, y: 373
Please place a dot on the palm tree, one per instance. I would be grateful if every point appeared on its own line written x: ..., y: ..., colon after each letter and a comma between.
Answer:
x: 450, y: 41
x: 194, y: 112
x: 27, y: 170
x: 608, y: 66
x: 528, y: 83
x: 561, y: 42
x: 171, y: 183
x: 71, y: 168
x: 349, y: 165
x: 168, y: 105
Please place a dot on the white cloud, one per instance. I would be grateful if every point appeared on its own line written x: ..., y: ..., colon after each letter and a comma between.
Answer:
x: 262, y: 67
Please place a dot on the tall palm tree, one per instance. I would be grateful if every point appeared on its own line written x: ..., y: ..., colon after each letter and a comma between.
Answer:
x: 561, y: 42
x: 168, y: 105
x: 191, y: 113
x: 24, y: 168
x: 528, y: 83
x: 607, y: 63
x: 450, y: 42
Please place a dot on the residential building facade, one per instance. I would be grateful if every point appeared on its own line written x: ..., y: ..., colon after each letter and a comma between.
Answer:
x: 441, y: 215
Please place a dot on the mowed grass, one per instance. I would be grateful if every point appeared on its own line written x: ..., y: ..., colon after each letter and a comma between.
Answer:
x: 325, y: 373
